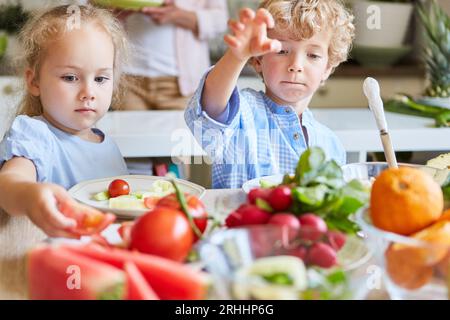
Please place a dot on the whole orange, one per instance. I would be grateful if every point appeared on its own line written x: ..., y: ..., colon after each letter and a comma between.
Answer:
x: 405, y: 200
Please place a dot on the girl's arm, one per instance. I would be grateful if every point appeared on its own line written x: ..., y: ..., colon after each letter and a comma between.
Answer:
x: 249, y: 39
x: 21, y: 195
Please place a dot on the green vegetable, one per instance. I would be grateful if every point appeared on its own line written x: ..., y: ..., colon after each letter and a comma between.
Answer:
x: 263, y: 205
x: 281, y: 278
x: 101, y: 196
x: 402, y: 103
x: 321, y: 189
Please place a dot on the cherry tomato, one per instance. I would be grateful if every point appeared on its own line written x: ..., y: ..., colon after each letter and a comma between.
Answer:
x: 163, y: 232
x: 118, y: 187
x: 258, y: 193
x: 312, y: 227
x: 322, y: 255
x: 280, y: 198
x: 195, y: 206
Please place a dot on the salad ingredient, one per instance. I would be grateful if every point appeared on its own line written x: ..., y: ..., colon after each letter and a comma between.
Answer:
x: 89, y: 220
x: 336, y: 239
x: 313, y: 227
x: 127, y: 202
x: 169, y: 279
x: 163, y: 232
x: 277, y: 277
x: 319, y: 187
x: 118, y: 187
x: 247, y: 214
x: 280, y: 198
x: 322, y: 255
x: 258, y: 193
x: 195, y: 206
x: 101, y: 196
x: 286, y: 219
x: 57, y: 274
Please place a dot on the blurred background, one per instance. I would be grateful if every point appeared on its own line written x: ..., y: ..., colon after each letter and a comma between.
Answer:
x: 394, y: 52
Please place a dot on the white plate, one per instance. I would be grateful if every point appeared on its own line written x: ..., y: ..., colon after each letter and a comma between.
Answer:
x: 84, y: 191
x: 255, y: 183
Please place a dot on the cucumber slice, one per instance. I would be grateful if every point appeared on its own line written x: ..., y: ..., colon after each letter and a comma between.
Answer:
x: 101, y: 196
x: 280, y: 277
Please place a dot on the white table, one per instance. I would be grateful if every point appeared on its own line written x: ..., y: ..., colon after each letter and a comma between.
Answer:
x: 165, y: 134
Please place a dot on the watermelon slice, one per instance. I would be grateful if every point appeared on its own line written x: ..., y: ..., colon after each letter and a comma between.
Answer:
x: 138, y: 288
x: 55, y: 273
x: 171, y: 280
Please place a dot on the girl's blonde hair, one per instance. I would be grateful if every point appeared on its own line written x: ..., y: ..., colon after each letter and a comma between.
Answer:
x: 47, y: 26
x: 302, y: 19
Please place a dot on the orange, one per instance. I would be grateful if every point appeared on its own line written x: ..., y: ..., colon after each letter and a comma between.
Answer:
x: 438, y: 235
x: 445, y: 215
x: 405, y: 200
x: 405, y: 274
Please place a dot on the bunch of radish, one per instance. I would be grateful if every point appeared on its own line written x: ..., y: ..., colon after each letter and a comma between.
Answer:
x: 315, y: 244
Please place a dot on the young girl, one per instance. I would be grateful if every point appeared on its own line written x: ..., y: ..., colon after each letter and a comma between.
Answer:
x: 294, y: 46
x: 72, y: 59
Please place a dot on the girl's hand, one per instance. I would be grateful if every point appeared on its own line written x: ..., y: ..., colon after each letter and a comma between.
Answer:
x: 249, y: 37
x: 42, y: 209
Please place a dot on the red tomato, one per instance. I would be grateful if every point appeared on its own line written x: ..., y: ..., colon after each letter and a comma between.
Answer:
x: 163, y: 232
x: 118, y: 187
x: 280, y: 198
x: 89, y: 220
x: 258, y: 193
x: 195, y: 206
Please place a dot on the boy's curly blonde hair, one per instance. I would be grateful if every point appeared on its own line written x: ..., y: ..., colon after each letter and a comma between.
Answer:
x: 47, y: 26
x: 302, y: 19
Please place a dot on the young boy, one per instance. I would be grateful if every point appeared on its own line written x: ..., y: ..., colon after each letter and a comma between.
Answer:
x: 294, y: 46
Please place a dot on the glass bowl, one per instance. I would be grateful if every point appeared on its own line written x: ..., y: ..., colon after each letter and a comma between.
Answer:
x: 368, y: 171
x: 229, y: 254
x: 411, y: 269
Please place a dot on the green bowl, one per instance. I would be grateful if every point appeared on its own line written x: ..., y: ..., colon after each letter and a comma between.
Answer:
x: 379, y: 57
x: 129, y: 4
x: 3, y: 44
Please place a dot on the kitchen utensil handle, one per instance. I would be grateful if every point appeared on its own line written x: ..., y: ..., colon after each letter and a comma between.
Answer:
x: 388, y: 150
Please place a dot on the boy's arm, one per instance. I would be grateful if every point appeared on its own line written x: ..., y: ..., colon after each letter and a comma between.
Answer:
x: 249, y: 39
x: 220, y: 83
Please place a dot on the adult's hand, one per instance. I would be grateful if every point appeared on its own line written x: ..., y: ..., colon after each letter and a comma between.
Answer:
x: 169, y: 13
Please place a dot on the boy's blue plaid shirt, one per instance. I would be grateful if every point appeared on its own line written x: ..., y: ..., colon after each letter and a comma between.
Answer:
x: 255, y: 137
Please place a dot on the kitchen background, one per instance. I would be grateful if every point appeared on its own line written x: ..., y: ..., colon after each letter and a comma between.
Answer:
x: 393, y: 55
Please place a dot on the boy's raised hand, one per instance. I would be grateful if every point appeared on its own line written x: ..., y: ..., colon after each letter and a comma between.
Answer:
x: 249, y: 37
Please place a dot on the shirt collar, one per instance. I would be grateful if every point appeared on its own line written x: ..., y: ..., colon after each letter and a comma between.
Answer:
x: 307, y: 116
